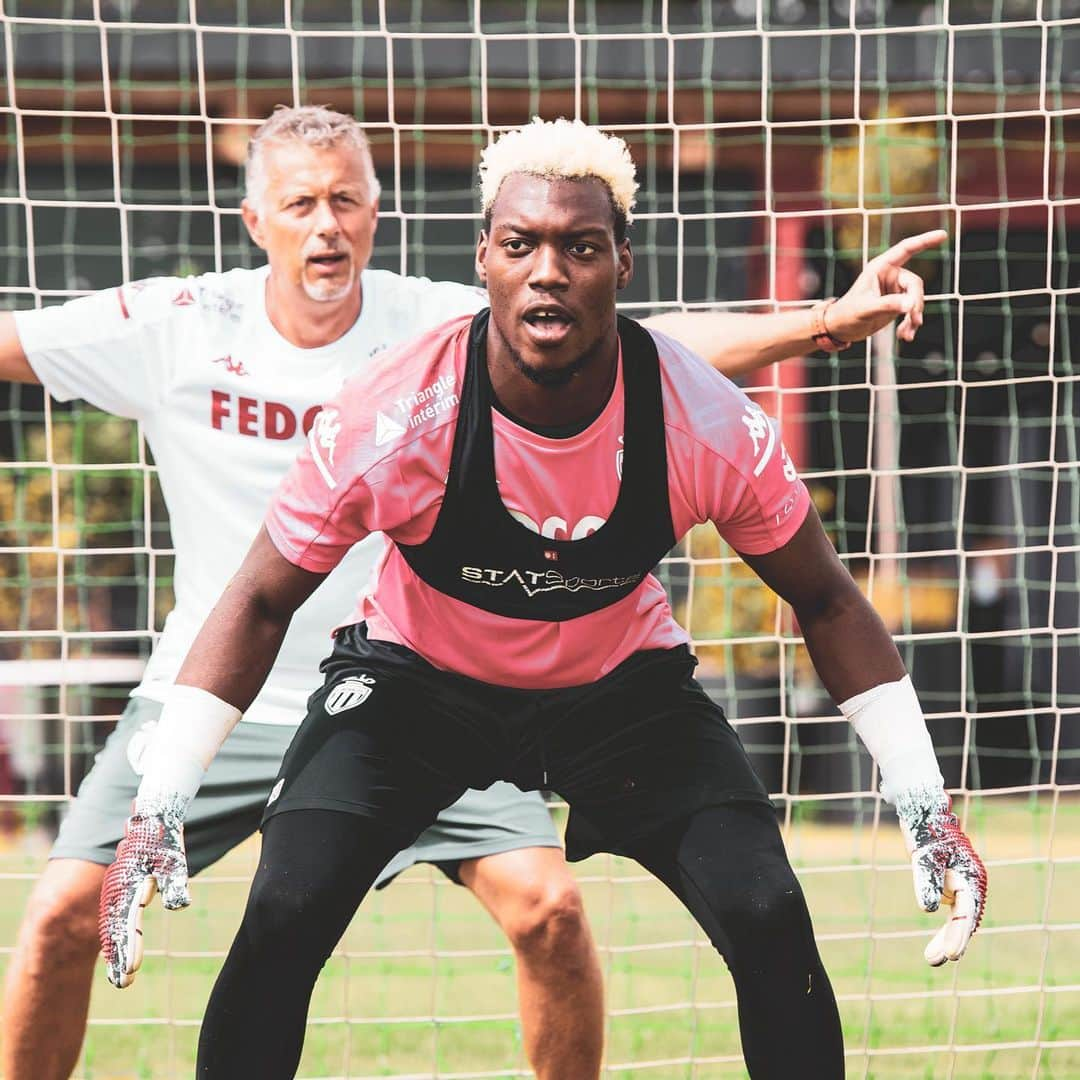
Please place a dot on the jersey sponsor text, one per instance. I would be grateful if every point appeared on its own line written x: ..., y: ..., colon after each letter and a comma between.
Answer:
x: 438, y: 389
x: 429, y: 402
x: 257, y: 417
x: 535, y: 582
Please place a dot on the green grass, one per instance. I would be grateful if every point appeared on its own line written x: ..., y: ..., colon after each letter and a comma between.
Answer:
x: 424, y: 949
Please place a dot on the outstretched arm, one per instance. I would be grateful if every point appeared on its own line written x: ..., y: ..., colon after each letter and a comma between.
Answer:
x: 860, y: 667
x: 224, y: 671
x: 14, y: 367
x: 738, y: 343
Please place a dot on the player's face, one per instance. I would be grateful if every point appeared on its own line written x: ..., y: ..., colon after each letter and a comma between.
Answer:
x: 316, y: 219
x: 552, y: 268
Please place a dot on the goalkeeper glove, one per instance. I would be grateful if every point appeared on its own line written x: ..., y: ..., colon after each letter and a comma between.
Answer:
x: 173, y: 758
x: 890, y: 722
x: 946, y: 869
x: 150, y: 858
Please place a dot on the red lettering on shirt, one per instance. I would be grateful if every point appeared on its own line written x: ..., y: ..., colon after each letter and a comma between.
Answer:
x: 279, y: 422
x: 256, y: 418
x: 247, y: 416
x: 219, y: 408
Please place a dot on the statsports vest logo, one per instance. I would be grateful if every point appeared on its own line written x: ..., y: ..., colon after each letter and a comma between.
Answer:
x: 535, y: 582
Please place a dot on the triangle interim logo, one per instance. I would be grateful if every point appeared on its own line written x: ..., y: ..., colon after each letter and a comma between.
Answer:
x: 386, y: 429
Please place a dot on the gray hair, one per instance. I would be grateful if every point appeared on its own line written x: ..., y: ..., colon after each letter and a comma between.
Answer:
x: 315, y: 125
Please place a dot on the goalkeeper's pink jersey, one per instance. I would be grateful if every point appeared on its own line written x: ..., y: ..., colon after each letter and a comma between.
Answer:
x: 378, y: 456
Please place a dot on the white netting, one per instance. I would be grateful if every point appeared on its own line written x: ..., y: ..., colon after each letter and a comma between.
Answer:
x: 777, y: 144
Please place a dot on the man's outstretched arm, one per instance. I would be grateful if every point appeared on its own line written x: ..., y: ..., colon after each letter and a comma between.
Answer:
x: 860, y: 667
x: 225, y: 668
x: 738, y: 343
x: 14, y: 367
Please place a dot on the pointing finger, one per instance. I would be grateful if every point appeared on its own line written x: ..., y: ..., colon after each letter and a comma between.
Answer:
x: 908, y: 248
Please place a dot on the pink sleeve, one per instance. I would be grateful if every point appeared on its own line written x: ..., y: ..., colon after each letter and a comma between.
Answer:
x: 335, y: 493
x: 350, y: 478
x: 725, y: 458
x: 762, y: 502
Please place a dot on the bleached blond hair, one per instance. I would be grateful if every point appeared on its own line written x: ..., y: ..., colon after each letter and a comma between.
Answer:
x: 315, y: 125
x: 561, y: 150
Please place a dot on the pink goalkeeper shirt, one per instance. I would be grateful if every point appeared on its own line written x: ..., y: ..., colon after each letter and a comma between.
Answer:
x: 377, y: 459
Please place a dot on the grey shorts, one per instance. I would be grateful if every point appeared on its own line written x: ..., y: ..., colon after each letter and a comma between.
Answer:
x: 230, y: 805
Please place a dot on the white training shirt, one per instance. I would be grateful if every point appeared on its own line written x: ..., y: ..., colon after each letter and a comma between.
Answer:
x: 224, y: 401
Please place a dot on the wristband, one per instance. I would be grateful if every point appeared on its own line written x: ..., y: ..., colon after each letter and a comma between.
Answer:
x: 819, y: 332
x: 890, y: 723
x: 192, y: 727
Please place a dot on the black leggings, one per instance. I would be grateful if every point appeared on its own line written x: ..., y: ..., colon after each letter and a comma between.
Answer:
x: 728, y: 866
x: 725, y: 863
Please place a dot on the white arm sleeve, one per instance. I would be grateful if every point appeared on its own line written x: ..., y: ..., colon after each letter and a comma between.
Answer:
x: 193, y: 725
x: 109, y: 348
x: 889, y: 720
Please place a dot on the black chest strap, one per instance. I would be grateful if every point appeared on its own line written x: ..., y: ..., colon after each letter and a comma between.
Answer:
x: 480, y: 554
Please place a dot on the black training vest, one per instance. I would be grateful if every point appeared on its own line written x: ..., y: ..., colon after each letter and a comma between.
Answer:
x: 480, y: 554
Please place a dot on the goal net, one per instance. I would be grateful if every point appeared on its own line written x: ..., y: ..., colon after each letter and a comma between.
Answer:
x: 778, y: 145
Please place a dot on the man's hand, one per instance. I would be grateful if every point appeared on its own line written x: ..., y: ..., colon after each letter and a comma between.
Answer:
x: 885, y: 289
x: 150, y: 858
x: 945, y: 867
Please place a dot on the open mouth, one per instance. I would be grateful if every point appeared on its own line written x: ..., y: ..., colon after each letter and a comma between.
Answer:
x: 548, y: 326
x: 328, y: 263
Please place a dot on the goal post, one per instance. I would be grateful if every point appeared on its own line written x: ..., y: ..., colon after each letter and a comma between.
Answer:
x: 779, y: 144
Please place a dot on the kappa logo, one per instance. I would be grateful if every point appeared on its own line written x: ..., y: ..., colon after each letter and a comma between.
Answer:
x: 233, y: 367
x: 349, y: 693
x: 386, y: 429
x: 323, y: 436
x: 760, y: 430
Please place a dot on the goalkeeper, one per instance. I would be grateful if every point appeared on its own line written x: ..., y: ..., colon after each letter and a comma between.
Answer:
x: 487, y: 650
x: 226, y: 373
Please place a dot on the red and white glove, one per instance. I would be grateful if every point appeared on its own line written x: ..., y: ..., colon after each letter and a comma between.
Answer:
x: 149, y: 859
x: 946, y: 869
x: 172, y: 758
x: 890, y: 723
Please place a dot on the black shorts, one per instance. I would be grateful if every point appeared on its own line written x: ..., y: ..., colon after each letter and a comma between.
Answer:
x: 390, y: 736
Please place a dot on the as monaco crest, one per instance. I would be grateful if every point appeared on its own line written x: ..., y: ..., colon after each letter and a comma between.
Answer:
x: 349, y: 693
